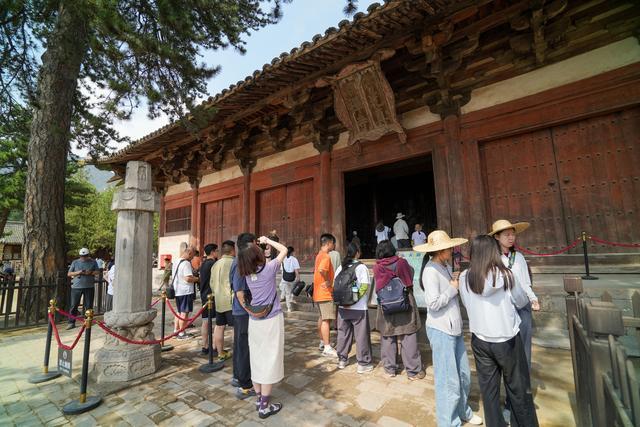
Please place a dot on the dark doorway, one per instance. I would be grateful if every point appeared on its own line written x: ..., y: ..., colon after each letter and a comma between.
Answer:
x: 379, y: 193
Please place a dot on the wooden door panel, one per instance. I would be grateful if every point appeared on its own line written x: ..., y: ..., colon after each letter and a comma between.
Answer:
x: 520, y: 181
x: 230, y: 218
x: 300, y: 220
x: 271, y: 210
x: 212, y: 222
x: 598, y: 162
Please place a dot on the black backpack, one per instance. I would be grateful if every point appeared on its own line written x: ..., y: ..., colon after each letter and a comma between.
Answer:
x: 343, y: 286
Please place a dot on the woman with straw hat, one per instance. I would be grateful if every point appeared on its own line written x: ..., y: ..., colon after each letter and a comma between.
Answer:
x: 505, y: 234
x: 452, y: 375
x: 491, y: 293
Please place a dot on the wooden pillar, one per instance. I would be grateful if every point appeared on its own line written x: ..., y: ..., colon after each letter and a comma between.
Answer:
x: 246, y: 200
x: 455, y: 172
x: 163, y: 217
x: 195, y: 217
x: 325, y: 191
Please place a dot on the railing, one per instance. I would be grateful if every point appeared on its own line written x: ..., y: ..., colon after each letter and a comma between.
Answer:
x: 605, y: 350
x: 15, y: 313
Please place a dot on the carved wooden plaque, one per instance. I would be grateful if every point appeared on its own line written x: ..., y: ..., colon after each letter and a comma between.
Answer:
x: 364, y: 102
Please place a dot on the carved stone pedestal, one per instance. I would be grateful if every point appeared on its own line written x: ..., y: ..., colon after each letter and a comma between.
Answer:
x: 120, y: 361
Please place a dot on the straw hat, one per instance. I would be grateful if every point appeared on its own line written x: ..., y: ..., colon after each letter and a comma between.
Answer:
x: 439, y: 240
x: 503, y: 224
x: 400, y: 215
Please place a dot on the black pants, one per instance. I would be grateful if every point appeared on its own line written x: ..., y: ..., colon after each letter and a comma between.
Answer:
x: 241, y: 364
x: 404, y: 243
x: 87, y: 300
x: 507, y: 360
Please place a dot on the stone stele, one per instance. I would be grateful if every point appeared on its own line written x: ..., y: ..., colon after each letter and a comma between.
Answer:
x: 131, y: 316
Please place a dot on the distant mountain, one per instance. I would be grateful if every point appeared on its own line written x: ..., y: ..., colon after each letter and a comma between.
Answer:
x: 98, y: 177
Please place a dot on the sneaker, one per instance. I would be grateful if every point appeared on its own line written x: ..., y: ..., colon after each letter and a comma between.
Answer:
x: 420, y: 375
x: 204, y: 351
x: 272, y: 409
x: 475, y: 420
x: 329, y: 351
x: 321, y: 346
x: 234, y: 382
x: 506, y: 414
x: 191, y: 326
x: 224, y: 356
x: 243, y: 393
x: 342, y: 364
x: 183, y: 336
x: 363, y: 369
x: 390, y: 374
x: 71, y: 326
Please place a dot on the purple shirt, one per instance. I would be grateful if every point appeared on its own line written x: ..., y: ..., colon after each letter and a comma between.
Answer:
x: 263, y: 288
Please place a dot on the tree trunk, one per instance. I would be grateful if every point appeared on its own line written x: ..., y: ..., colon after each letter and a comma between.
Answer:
x: 43, y: 251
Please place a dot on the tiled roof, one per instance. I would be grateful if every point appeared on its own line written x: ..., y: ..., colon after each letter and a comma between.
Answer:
x: 305, y: 57
x: 13, y: 233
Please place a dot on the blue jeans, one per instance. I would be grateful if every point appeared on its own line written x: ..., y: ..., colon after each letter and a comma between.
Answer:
x: 452, y: 378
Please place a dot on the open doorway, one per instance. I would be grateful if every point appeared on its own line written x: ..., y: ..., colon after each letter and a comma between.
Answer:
x: 379, y: 193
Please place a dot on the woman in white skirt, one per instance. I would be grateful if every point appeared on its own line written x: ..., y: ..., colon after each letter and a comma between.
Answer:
x: 266, y: 334
x: 290, y: 276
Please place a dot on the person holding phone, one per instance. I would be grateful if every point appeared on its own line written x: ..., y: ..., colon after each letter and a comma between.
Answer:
x: 452, y: 375
x: 82, y: 273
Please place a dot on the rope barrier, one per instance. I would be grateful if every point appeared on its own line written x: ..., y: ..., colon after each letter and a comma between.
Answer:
x: 148, y: 342
x: 70, y: 316
x: 623, y: 245
x: 176, y: 315
x: 55, y: 332
x: 155, y: 302
x: 565, y: 249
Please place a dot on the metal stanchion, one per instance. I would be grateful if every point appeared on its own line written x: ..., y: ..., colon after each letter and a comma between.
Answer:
x: 85, y: 403
x: 587, y: 276
x: 164, y: 310
x: 211, y: 366
x: 47, y: 375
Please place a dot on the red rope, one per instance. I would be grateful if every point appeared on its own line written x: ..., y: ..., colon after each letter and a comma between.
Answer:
x: 55, y: 332
x: 624, y: 245
x: 155, y: 302
x: 70, y: 316
x: 149, y: 342
x: 174, y: 312
x: 565, y: 249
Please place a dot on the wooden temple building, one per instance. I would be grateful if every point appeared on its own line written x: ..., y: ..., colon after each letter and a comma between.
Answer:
x: 455, y: 113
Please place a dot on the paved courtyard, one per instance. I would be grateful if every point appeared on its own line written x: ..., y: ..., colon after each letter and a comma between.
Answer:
x: 314, y: 392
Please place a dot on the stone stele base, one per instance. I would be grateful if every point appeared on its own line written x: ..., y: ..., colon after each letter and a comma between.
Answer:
x: 118, y: 361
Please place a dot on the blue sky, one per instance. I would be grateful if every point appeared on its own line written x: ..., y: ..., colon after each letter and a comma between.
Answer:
x: 302, y: 19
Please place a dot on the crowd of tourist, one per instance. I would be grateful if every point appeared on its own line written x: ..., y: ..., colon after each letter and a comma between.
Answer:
x: 241, y: 277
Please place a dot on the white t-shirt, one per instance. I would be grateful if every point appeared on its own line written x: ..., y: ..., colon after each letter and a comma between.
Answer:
x: 111, y: 275
x: 418, y: 238
x: 180, y: 284
x: 362, y: 274
x: 290, y: 264
x: 383, y: 235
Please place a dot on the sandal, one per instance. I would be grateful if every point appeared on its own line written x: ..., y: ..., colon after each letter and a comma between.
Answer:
x: 272, y: 409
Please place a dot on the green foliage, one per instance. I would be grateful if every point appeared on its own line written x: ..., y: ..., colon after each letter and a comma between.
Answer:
x: 14, y: 137
x: 148, y: 50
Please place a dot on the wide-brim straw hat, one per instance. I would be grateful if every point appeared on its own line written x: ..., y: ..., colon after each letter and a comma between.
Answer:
x: 400, y: 215
x: 503, y: 224
x: 438, y: 240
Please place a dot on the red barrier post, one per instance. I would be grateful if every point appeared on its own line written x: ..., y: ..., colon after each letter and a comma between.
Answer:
x: 164, y: 311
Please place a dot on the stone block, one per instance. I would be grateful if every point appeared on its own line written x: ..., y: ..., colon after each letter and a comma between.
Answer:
x: 126, y: 364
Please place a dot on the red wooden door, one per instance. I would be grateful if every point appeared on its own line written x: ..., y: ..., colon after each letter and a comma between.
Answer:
x: 300, y: 220
x: 521, y: 184
x: 272, y: 210
x: 221, y: 220
x: 598, y: 164
x: 212, y: 223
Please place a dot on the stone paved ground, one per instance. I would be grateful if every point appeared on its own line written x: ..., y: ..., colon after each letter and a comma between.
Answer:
x: 314, y: 392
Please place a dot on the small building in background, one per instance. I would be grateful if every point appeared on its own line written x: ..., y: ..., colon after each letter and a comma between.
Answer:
x: 11, y: 246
